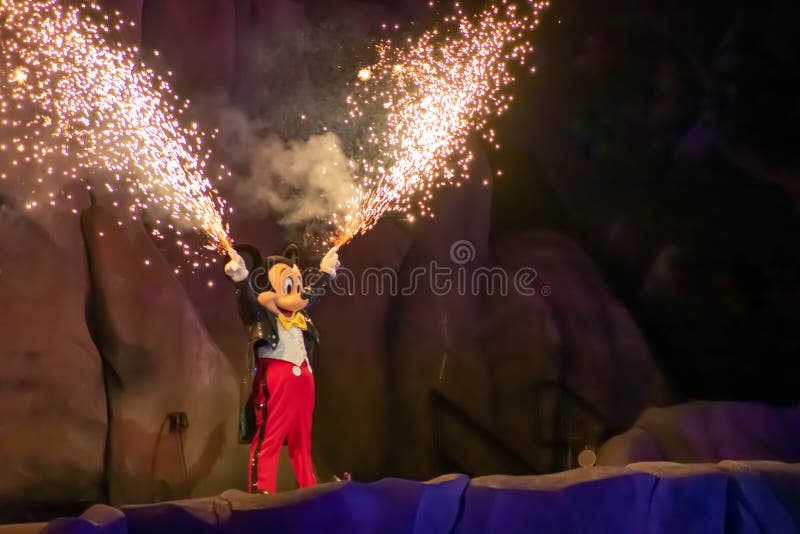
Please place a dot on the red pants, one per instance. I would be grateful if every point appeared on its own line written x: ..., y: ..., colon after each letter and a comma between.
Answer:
x: 284, y: 403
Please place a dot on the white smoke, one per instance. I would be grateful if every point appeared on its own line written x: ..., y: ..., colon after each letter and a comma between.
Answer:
x: 293, y: 86
x: 297, y: 182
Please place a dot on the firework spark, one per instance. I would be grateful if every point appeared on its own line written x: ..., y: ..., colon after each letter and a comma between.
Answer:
x: 71, y: 94
x: 430, y: 95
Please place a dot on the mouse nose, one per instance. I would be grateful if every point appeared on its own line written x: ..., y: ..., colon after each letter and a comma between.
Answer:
x: 295, y: 301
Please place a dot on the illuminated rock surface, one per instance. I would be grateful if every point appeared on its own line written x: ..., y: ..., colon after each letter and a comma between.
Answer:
x: 159, y: 359
x: 53, y: 416
x: 708, y: 432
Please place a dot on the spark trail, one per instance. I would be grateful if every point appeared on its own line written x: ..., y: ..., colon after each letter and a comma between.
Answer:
x: 79, y: 106
x: 422, y: 101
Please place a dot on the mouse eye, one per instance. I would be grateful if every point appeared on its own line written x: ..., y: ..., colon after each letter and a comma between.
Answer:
x: 288, y: 285
x: 298, y: 283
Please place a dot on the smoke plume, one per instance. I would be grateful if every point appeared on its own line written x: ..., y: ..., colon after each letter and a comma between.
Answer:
x: 299, y: 182
x: 278, y: 127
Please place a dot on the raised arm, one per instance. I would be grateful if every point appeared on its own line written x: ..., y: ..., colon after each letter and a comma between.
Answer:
x: 330, y: 262
x: 316, y: 283
x: 236, y: 268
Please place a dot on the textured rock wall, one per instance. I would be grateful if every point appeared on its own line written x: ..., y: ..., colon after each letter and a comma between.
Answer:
x: 570, y: 361
x: 708, y: 432
x: 53, y: 420
x: 407, y: 385
x: 196, y: 39
x: 159, y: 359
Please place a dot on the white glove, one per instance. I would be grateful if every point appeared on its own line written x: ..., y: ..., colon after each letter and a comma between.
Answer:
x: 236, y: 268
x: 330, y: 262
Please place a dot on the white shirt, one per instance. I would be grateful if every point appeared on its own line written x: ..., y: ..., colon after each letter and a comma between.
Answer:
x: 291, y: 347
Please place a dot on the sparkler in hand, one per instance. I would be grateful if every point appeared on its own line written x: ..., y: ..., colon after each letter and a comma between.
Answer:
x: 70, y: 95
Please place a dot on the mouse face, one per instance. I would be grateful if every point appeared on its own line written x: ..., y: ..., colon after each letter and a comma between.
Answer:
x: 284, y: 296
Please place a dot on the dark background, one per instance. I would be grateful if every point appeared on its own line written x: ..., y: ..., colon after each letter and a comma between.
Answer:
x: 663, y: 136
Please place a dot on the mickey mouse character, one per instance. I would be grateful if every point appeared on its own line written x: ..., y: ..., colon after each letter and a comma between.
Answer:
x: 272, y: 303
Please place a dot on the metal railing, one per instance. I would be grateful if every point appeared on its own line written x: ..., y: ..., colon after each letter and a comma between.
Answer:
x: 466, y: 445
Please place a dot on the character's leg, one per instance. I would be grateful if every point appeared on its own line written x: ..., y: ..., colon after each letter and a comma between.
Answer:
x: 279, y: 418
x: 259, y: 396
x: 299, y: 438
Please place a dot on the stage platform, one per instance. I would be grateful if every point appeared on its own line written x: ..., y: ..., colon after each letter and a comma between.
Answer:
x: 654, y: 497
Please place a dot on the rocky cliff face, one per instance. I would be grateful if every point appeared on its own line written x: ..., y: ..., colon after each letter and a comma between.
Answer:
x: 100, y: 347
x: 158, y: 359
x: 53, y: 415
x: 668, y: 133
x: 699, y: 432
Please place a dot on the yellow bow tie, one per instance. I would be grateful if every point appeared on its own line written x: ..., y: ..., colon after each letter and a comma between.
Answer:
x: 297, y: 320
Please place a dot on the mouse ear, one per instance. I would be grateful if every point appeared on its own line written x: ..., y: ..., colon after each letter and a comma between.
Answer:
x: 250, y: 255
x: 292, y: 253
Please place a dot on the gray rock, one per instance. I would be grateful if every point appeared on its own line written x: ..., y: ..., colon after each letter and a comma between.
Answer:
x: 196, y: 40
x: 708, y: 432
x: 159, y: 359
x: 53, y: 420
x: 569, y: 358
